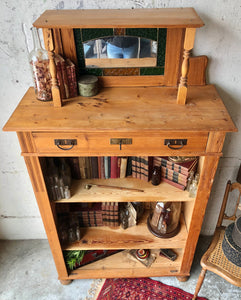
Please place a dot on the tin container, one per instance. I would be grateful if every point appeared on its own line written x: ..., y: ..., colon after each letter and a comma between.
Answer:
x: 88, y: 85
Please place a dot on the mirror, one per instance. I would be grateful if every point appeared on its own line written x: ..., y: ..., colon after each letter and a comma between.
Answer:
x: 120, y: 51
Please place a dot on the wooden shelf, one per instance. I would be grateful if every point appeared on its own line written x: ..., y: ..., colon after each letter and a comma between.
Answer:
x: 162, y: 192
x: 126, y: 109
x: 97, y: 18
x: 125, y: 266
x: 131, y: 238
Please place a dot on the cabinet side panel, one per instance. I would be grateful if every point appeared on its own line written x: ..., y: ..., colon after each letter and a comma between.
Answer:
x: 205, y: 184
x: 26, y: 142
x: 215, y: 142
x: 35, y: 173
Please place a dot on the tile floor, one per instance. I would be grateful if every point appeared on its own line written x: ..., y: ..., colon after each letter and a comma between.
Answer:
x: 27, y: 272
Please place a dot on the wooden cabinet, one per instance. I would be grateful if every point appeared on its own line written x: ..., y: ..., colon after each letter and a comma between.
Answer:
x: 144, y: 109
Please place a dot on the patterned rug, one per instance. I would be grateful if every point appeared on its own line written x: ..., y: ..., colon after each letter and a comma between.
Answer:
x: 136, y: 289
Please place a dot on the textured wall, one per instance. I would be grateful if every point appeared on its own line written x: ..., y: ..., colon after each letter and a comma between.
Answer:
x: 220, y: 40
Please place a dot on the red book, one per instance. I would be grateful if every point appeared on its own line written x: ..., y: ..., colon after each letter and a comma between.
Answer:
x: 181, y: 167
x: 71, y: 75
x: 114, y: 167
x: 177, y: 185
x: 58, y: 59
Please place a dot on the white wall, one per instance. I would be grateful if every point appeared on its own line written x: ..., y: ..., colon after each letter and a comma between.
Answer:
x: 220, y: 40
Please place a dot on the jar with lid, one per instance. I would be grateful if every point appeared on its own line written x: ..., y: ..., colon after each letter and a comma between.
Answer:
x: 39, y: 63
x: 164, y: 222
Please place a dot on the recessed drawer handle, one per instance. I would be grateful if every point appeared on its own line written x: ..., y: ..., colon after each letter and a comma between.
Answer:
x: 65, y: 142
x: 175, y: 144
x: 120, y: 141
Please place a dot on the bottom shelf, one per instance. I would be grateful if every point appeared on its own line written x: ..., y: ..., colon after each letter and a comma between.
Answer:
x: 122, y: 264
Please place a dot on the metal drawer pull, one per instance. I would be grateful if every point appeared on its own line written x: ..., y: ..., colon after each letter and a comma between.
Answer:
x: 175, y: 144
x: 116, y: 141
x: 65, y: 142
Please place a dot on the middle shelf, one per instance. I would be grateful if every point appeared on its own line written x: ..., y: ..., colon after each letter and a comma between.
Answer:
x: 108, y: 238
x: 162, y: 192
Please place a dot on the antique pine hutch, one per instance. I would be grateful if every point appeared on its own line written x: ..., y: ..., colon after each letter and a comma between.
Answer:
x: 146, y: 111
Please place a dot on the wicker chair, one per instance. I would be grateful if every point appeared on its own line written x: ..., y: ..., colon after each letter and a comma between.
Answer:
x: 214, y: 259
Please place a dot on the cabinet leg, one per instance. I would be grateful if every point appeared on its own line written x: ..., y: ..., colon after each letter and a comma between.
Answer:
x: 65, y: 282
x: 182, y: 278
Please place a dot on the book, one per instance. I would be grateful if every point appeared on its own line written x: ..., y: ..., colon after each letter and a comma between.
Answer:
x: 106, y: 167
x: 174, y: 176
x: 177, y: 185
x: 182, y: 167
x: 82, y: 167
x: 62, y: 76
x: 129, y: 166
x: 114, y: 167
x: 94, y: 167
x: 71, y: 75
x: 74, y: 167
x: 134, y: 166
x: 123, y: 167
x: 58, y: 59
x: 144, y: 168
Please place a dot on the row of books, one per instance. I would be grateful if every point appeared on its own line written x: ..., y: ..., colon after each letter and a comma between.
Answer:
x: 66, y: 77
x: 141, y: 167
x: 102, y: 167
x: 94, y: 214
x: 175, y: 173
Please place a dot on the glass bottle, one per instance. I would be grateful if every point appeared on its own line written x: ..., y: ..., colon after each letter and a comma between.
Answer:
x: 39, y: 63
x: 156, y: 176
x: 189, y: 180
x: 193, y: 189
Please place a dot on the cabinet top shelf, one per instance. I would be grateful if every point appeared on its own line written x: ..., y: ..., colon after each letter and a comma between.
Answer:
x: 125, y: 109
x: 120, y: 18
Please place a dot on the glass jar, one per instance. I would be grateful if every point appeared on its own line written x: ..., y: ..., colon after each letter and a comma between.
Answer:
x: 164, y: 222
x: 39, y: 63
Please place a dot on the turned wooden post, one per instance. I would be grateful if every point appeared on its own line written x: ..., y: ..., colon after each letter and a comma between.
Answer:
x: 188, y: 45
x: 49, y: 45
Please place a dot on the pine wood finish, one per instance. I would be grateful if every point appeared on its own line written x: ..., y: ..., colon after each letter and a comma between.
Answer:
x: 121, y: 18
x: 143, y: 109
x: 181, y: 24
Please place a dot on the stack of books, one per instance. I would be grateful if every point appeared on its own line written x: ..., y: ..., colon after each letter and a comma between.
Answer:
x: 175, y: 173
x: 110, y: 214
x: 141, y: 166
x: 87, y: 215
x: 66, y: 77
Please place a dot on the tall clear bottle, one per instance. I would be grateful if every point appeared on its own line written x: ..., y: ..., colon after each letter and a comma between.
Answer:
x: 39, y: 63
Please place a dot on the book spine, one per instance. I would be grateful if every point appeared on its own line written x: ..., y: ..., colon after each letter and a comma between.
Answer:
x: 94, y: 167
x: 82, y: 167
x: 60, y: 78
x: 65, y: 78
x: 123, y: 167
x: 133, y: 166
x: 177, y: 185
x: 162, y: 162
x: 71, y: 75
x: 114, y: 167
x: 129, y: 166
x: 74, y: 167
x: 106, y: 167
x: 173, y: 174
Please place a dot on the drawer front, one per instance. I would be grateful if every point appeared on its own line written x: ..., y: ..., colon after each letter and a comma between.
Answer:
x: 67, y: 144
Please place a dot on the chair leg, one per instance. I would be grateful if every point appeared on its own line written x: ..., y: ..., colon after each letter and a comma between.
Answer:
x: 199, y: 283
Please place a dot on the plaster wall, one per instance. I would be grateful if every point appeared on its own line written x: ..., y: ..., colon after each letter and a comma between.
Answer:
x: 220, y: 40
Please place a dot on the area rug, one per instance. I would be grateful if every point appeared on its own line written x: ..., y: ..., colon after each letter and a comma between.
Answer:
x: 136, y: 289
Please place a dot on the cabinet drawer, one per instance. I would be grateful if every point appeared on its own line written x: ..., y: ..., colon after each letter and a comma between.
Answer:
x: 120, y: 143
